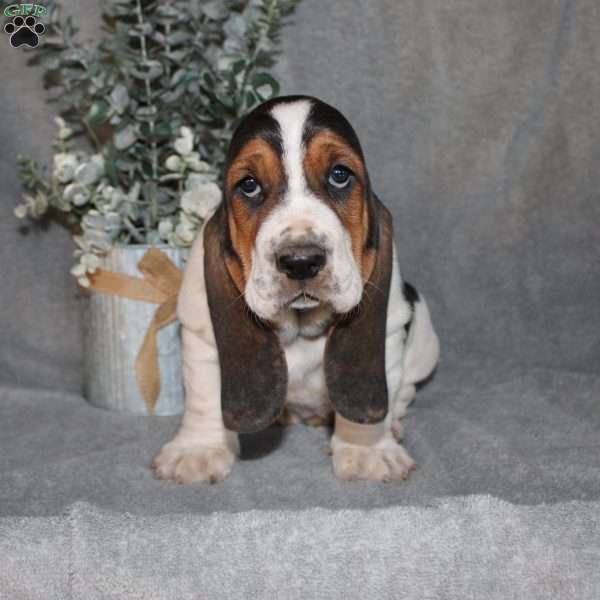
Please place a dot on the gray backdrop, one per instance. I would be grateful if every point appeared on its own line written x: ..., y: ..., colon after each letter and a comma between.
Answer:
x: 480, y: 122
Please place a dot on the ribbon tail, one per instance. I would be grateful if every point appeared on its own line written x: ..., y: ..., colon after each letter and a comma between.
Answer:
x: 147, y: 368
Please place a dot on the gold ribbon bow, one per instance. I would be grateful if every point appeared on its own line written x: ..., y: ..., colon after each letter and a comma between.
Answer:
x: 160, y: 284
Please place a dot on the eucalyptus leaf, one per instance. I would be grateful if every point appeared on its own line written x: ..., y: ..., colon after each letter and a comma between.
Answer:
x: 125, y: 137
x: 97, y: 113
x: 178, y: 38
x: 265, y: 86
x: 177, y: 77
x: 173, y: 96
x: 119, y: 98
x: 146, y: 112
x: 176, y: 55
x: 214, y: 10
x: 149, y: 70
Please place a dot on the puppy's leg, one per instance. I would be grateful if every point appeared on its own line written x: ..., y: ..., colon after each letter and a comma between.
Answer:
x: 404, y: 397
x: 202, y: 450
x: 368, y: 451
x: 372, y: 451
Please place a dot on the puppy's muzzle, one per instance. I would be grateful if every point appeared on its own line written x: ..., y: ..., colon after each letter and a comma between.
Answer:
x: 301, y: 262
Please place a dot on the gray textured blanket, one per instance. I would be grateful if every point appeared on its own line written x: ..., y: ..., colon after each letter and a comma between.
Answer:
x: 81, y: 516
x: 473, y: 547
x: 527, y: 436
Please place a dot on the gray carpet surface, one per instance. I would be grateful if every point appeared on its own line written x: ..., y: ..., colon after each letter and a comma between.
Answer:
x: 474, y: 547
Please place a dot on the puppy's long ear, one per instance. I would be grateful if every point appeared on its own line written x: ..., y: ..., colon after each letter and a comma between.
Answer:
x: 253, y: 366
x: 355, y: 350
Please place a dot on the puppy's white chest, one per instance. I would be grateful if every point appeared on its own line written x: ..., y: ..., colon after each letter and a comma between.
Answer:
x: 307, y: 391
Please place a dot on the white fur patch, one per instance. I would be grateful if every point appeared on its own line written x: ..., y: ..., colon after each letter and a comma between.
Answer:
x: 292, y: 117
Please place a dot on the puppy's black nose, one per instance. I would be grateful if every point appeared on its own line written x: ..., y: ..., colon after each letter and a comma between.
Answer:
x: 301, y: 262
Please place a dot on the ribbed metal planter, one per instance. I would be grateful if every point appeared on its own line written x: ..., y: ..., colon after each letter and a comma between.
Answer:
x: 114, y: 331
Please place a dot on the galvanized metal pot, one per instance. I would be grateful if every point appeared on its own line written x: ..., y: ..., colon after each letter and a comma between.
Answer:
x: 114, y: 331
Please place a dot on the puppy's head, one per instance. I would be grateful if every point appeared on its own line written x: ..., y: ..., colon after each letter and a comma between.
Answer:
x: 300, y: 213
x: 298, y: 228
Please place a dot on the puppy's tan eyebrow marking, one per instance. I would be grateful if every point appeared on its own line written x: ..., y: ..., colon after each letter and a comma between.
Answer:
x: 250, y: 157
x: 257, y: 156
x: 326, y: 146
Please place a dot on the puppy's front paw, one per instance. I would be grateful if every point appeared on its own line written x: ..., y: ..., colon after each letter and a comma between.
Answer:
x: 196, y: 463
x: 382, y: 462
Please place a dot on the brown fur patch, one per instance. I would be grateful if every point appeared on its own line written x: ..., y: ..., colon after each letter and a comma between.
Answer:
x: 325, y: 150
x: 256, y: 159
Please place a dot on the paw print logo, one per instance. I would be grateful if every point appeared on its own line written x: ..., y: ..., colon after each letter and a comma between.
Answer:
x: 24, y: 32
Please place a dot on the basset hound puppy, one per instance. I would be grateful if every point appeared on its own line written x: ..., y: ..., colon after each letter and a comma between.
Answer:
x: 292, y: 304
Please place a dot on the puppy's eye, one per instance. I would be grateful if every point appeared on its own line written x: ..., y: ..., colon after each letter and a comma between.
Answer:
x: 249, y: 187
x: 339, y: 176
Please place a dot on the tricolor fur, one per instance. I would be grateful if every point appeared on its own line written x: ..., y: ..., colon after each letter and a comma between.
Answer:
x: 260, y: 343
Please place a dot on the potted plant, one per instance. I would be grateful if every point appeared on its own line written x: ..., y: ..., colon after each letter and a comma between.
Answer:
x: 143, y: 121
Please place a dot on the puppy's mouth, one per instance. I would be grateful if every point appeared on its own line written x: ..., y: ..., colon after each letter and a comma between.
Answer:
x: 304, y: 301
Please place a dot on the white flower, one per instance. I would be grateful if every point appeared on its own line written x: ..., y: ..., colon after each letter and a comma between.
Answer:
x: 20, y: 211
x: 90, y: 262
x: 97, y: 241
x: 185, y: 232
x: 76, y: 194
x: 195, y: 179
x: 184, y: 144
x: 165, y: 229
x: 191, y: 201
x: 202, y: 200
x: 112, y: 223
x: 65, y: 164
x: 113, y: 196
x: 35, y: 207
x: 84, y: 281
x: 90, y: 172
x: 107, y: 191
x: 78, y: 270
x: 64, y: 131
x: 193, y: 161
x: 186, y: 221
x: 184, y: 235
x: 173, y: 163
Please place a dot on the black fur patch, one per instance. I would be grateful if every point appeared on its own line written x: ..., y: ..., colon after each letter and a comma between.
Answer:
x: 355, y: 351
x: 252, y: 363
x: 322, y: 116
x: 411, y: 296
x: 257, y: 124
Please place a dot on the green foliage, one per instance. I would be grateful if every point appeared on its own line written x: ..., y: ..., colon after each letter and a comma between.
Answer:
x: 155, y: 103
